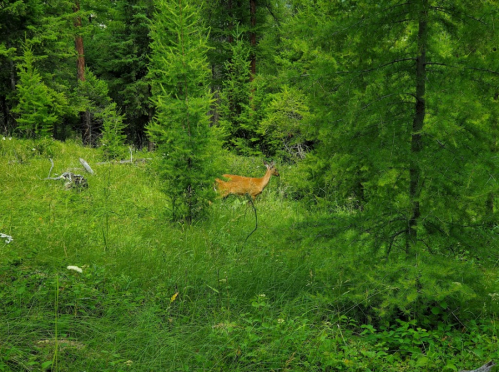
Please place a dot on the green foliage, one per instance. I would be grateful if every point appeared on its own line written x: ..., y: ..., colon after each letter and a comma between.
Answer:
x: 119, y: 54
x: 179, y: 74
x: 112, y: 139
x: 235, y: 110
x: 362, y: 85
x: 39, y: 107
x: 343, y: 272
x: 47, y: 30
x: 291, y: 297
x: 286, y: 124
x: 92, y: 96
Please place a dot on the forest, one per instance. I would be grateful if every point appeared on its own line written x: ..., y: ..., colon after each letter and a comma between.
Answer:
x: 373, y: 247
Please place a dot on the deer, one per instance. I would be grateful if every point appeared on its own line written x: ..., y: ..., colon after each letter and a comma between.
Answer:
x: 239, y: 185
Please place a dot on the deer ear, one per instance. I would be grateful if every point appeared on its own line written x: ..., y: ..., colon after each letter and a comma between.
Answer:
x: 265, y: 163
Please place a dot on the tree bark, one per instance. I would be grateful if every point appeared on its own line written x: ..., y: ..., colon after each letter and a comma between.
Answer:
x: 13, y: 82
x: 150, y: 113
x: 86, y: 122
x: 215, y: 91
x: 85, y: 116
x: 253, y: 39
x: 231, y: 21
x: 418, y: 123
x: 5, y: 114
x: 80, y: 63
x: 12, y: 68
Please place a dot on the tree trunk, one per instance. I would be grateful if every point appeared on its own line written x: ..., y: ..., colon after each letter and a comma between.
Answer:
x: 418, y: 123
x: 150, y: 144
x: 80, y: 62
x: 253, y: 39
x: 12, y: 69
x: 231, y: 20
x: 215, y: 91
x: 86, y: 123
x: 5, y: 115
x: 13, y: 82
x: 86, y: 120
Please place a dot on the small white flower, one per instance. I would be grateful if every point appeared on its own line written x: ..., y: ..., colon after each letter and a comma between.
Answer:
x: 8, y: 238
x: 75, y: 268
x: 280, y: 321
x: 33, y: 149
x: 10, y: 138
x: 3, y: 138
x: 261, y: 295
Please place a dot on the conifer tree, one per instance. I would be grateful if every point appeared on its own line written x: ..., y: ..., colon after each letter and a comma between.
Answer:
x: 39, y: 107
x: 45, y: 27
x: 119, y: 55
x: 113, y: 136
x: 285, y: 126
x: 237, y: 29
x: 180, y: 74
x: 403, y: 96
x: 235, y: 119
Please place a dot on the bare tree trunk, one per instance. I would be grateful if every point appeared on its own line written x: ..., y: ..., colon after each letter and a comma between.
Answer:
x: 13, y: 82
x: 5, y: 114
x: 253, y: 39
x: 417, y: 125
x: 80, y: 62
x: 85, y: 117
x: 215, y: 91
x: 12, y: 69
x: 86, y: 120
x: 150, y: 112
x: 231, y: 21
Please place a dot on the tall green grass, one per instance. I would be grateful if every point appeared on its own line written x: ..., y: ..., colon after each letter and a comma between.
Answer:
x: 162, y: 296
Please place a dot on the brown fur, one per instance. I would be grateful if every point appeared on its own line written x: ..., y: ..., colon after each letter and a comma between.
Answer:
x: 239, y: 185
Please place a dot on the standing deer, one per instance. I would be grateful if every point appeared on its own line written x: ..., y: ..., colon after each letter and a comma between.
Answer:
x: 239, y: 185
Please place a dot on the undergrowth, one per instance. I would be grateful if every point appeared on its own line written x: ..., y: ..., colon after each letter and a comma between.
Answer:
x: 159, y: 296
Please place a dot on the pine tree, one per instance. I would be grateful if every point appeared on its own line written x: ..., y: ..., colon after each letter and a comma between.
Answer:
x: 119, y: 54
x: 113, y: 127
x: 285, y: 126
x: 92, y: 98
x: 180, y: 74
x: 39, y: 107
x: 41, y: 25
x: 235, y: 119
x: 237, y: 28
x: 403, y: 96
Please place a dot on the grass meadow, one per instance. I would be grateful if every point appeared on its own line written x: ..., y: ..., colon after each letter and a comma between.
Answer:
x: 153, y: 295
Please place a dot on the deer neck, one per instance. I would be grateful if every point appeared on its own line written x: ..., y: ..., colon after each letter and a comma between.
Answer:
x: 266, y: 177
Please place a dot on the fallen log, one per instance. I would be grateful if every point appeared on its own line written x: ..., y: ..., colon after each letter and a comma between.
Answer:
x: 127, y: 161
x: 86, y: 166
x: 485, y: 368
x: 73, y: 180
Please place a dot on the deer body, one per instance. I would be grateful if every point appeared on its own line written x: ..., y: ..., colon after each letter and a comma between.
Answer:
x: 239, y: 185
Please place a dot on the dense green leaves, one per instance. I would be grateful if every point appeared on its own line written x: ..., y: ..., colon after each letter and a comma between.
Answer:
x: 180, y: 74
x: 419, y: 157
x: 119, y: 54
x: 388, y: 109
x: 39, y: 107
x: 377, y: 247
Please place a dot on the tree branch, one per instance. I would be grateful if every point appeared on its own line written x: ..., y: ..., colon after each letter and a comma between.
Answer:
x: 485, y: 368
x: 455, y: 13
